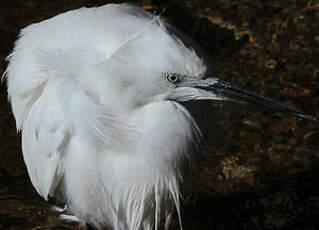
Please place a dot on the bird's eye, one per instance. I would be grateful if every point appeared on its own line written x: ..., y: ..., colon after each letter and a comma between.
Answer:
x: 173, y: 78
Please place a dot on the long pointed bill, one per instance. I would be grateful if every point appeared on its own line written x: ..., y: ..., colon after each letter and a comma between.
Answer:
x: 227, y: 91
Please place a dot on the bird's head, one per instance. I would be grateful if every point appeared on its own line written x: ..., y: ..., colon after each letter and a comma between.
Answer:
x: 154, y: 64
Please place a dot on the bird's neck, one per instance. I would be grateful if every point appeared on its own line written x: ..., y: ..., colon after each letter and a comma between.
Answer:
x: 167, y: 135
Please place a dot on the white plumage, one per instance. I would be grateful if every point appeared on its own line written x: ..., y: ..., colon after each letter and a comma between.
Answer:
x: 96, y: 93
x: 76, y: 87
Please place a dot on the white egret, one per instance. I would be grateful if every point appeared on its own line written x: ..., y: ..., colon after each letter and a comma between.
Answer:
x: 97, y: 94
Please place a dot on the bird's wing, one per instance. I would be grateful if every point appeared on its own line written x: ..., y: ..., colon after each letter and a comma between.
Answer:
x: 42, y: 112
x: 51, y: 113
x: 44, y: 140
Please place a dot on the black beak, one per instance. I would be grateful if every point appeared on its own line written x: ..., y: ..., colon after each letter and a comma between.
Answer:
x: 227, y: 91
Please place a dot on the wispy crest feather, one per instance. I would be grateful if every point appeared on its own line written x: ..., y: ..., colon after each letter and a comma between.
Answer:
x: 136, y: 34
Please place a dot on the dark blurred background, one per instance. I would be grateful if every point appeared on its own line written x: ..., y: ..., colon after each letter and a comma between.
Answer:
x: 260, y: 170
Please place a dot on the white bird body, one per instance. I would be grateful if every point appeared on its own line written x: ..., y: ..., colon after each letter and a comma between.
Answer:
x: 87, y: 134
x: 96, y: 93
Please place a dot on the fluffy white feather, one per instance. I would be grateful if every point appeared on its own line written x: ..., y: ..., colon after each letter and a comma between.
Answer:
x: 87, y: 90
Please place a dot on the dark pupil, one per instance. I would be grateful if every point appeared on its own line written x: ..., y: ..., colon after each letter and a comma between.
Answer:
x: 173, y: 78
